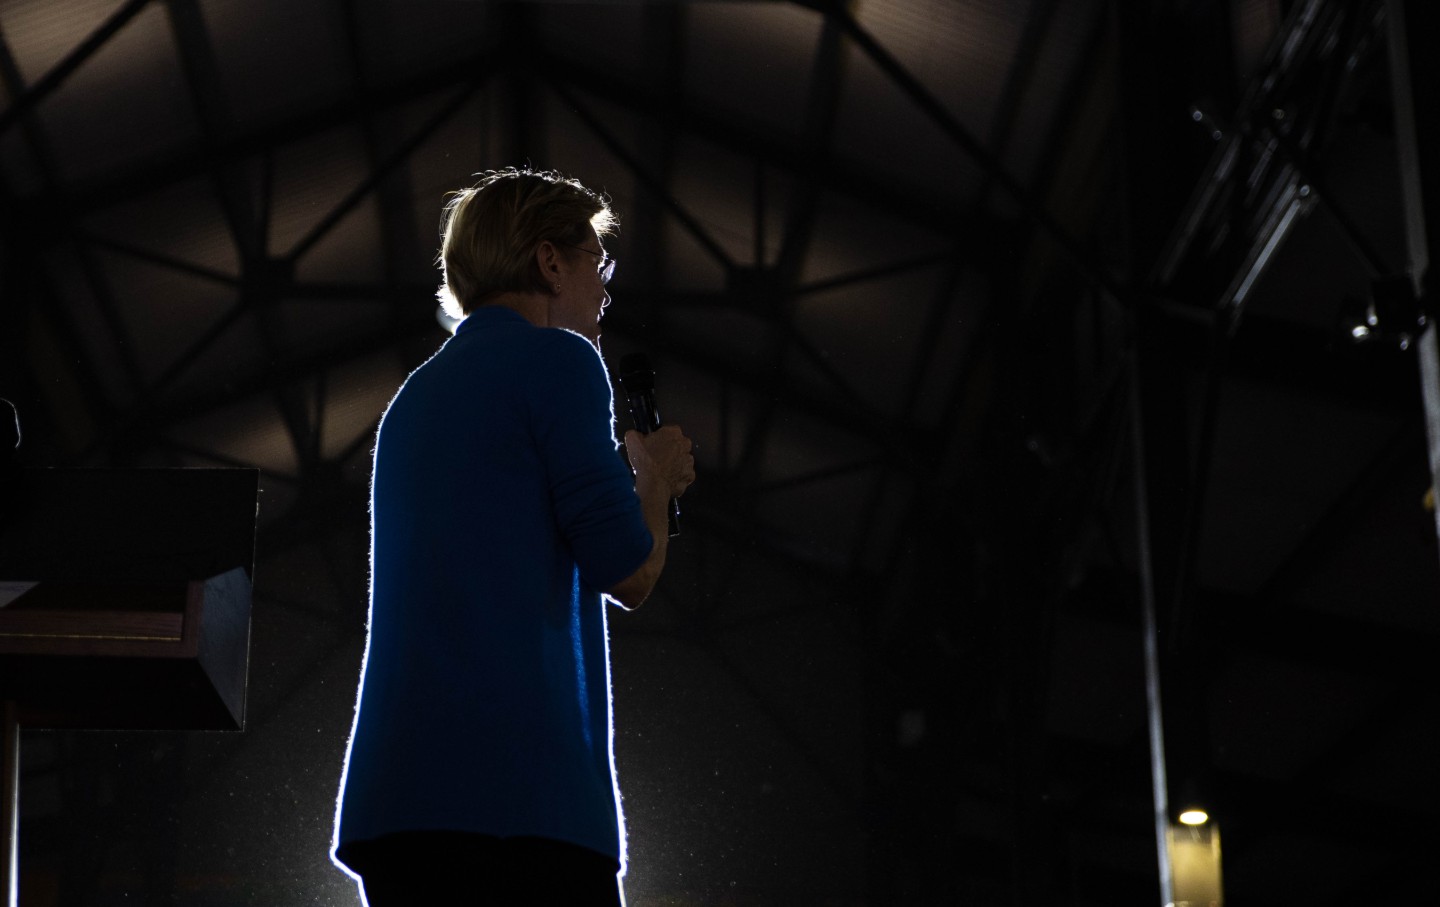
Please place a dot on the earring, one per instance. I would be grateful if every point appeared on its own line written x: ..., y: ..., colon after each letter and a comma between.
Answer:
x: 557, y: 287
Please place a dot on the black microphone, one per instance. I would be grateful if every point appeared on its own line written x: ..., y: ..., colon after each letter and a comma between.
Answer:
x: 637, y: 378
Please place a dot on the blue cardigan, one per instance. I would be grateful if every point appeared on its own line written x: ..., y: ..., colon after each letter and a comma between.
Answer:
x: 500, y: 509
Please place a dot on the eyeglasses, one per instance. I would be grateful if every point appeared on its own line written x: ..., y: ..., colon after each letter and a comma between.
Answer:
x: 606, y: 267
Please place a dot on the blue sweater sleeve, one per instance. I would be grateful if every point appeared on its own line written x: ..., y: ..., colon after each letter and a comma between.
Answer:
x: 592, y: 492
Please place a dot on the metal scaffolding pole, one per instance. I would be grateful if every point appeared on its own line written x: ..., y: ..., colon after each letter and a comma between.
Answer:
x: 1414, y: 96
x: 1155, y: 723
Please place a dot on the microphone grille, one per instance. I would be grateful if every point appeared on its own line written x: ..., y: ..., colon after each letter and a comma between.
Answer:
x: 637, y: 376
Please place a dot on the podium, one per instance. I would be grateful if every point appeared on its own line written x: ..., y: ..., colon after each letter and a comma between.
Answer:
x: 124, y: 604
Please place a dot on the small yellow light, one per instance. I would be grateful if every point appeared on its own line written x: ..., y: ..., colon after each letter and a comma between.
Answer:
x: 1194, y: 817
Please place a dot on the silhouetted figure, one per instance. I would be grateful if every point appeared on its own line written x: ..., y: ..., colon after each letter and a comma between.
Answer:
x: 480, y: 769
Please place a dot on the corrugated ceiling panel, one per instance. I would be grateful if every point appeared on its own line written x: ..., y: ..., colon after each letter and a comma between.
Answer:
x: 689, y: 265
x: 1056, y: 67
x: 962, y: 52
x: 19, y: 164
x: 126, y: 105
x: 752, y: 62
x: 880, y: 128
x: 278, y: 59
x: 40, y: 33
x: 717, y: 188
x: 181, y: 221
x: 356, y: 394
x: 447, y: 161
x: 237, y: 353
x: 576, y: 150
x: 609, y: 36
x: 311, y: 177
x: 166, y: 310
x: 250, y: 431
x: 958, y: 327
x: 743, y: 340
x: 852, y: 237
x: 871, y: 332
x: 394, y: 36
x: 92, y: 343
x: 349, y: 251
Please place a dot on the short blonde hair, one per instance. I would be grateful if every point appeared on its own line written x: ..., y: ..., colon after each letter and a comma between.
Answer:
x: 491, y: 230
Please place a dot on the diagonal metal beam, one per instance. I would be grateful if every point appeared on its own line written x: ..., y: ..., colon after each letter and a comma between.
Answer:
x: 211, y: 107
x: 921, y: 495
x: 1096, y: 272
x: 159, y: 259
x: 821, y: 109
x: 283, y: 371
x: 44, y: 86
x: 650, y: 181
x: 212, y: 110
x: 1022, y: 72
x: 972, y: 364
x: 989, y: 323
x: 1018, y: 80
x: 878, y: 272
x: 92, y: 194
x: 43, y: 214
x: 394, y: 196
x: 664, y: 41
x: 384, y: 168
x: 914, y: 204
x: 1072, y: 112
x: 197, y: 348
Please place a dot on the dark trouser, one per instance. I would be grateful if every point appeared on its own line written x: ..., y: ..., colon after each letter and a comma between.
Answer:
x: 417, y: 868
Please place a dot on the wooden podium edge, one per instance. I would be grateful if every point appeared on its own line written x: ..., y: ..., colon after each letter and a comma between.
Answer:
x: 211, y: 634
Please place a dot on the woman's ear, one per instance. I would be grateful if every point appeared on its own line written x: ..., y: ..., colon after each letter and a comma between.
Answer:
x: 547, y: 259
x: 547, y: 265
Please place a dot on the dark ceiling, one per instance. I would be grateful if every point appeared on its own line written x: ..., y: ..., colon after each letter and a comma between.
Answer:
x: 987, y: 316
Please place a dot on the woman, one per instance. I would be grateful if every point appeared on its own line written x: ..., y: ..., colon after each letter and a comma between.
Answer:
x: 501, y: 518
